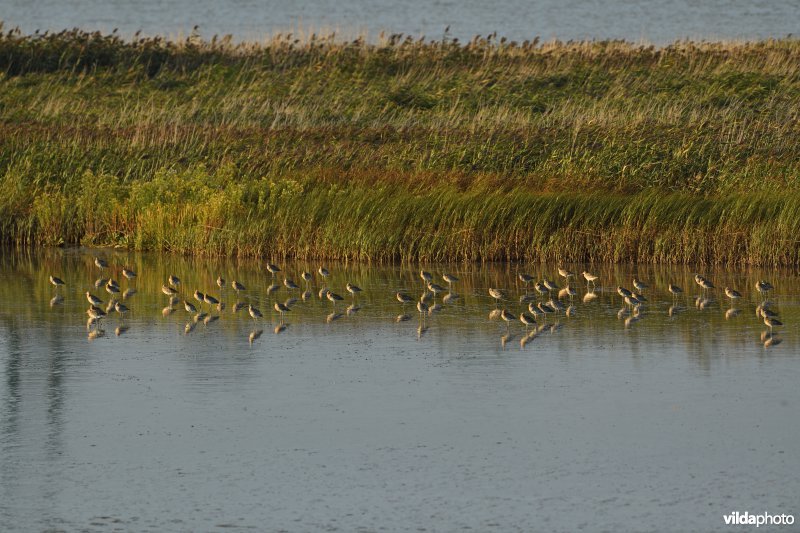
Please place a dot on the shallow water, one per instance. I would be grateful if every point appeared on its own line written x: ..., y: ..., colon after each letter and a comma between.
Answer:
x: 658, y: 21
x: 365, y: 423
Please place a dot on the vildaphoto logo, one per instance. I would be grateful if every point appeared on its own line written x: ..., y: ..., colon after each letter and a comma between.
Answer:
x: 764, y: 519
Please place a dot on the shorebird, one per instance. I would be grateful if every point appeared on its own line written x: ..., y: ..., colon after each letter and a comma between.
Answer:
x: 333, y: 297
x: 564, y: 273
x: 169, y: 291
x: 732, y: 294
x: 507, y: 316
x: 353, y: 289
x: 100, y: 282
x: 323, y: 272
x: 545, y: 309
x: 550, y: 285
x: 121, y: 309
x: 435, y: 289
x: 100, y: 263
x: 449, y: 279
x: 273, y: 269
x: 772, y: 322
x: 540, y: 288
x: 306, y: 277
x: 422, y: 307
x: 675, y: 290
x: 128, y: 274
x: 766, y: 312
x: 590, y: 278
x: 281, y: 308
x: 290, y: 284
x: 763, y: 287
x: 254, y: 313
x: 94, y: 300
x: 238, y: 287
x: 622, y: 291
x: 210, y: 300
x: 706, y: 284
x: 199, y: 296
x: 639, y: 285
x: 632, y: 301
x: 534, y: 309
x: 404, y: 298
x: 95, y: 313
x: 527, y: 319
x: 556, y: 305
x: 525, y: 279
x: 497, y: 294
x: 426, y: 276
x: 189, y: 306
x: 57, y: 282
x: 570, y: 291
x: 174, y: 280
x: 221, y: 283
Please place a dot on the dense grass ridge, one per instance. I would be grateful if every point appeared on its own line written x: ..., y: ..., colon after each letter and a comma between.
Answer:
x: 403, y: 149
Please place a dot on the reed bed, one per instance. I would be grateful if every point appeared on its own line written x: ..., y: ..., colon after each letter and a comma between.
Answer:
x: 403, y: 149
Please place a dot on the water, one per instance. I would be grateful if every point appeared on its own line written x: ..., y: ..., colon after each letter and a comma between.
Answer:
x: 364, y: 423
x: 658, y: 21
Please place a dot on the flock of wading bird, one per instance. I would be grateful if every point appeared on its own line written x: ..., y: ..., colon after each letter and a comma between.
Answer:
x: 534, y: 320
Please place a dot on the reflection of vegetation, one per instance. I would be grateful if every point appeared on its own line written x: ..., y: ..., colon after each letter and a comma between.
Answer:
x: 487, y: 150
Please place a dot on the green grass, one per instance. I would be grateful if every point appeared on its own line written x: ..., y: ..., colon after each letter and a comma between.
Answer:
x: 403, y: 149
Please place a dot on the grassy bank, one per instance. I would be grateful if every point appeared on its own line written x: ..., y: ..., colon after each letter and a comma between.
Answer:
x: 404, y: 149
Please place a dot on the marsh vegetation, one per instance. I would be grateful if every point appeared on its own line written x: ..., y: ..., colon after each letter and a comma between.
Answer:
x: 403, y: 149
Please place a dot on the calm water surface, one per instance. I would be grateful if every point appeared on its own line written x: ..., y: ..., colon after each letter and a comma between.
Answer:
x: 658, y: 21
x: 364, y: 423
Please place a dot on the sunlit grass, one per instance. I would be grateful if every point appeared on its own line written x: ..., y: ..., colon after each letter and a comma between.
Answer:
x: 403, y: 149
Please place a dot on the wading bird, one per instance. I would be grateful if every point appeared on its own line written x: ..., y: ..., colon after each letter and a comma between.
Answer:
x: 497, y: 294
x: 528, y: 320
x: 449, y: 279
x: 333, y: 297
x: 404, y: 298
x: 435, y: 289
x: 353, y: 289
x: 590, y: 278
x: 281, y: 308
x: 254, y: 313
x: 733, y: 294
x: 675, y: 290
